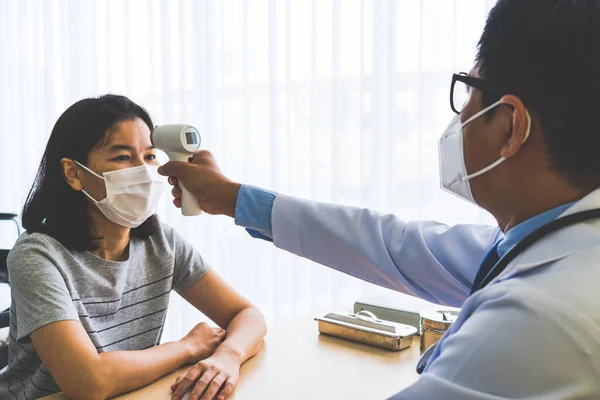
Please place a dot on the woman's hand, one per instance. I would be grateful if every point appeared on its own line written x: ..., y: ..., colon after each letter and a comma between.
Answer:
x: 213, y: 378
x: 202, y: 341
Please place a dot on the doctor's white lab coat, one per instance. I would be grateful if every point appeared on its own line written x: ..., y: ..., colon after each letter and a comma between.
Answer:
x: 533, y: 333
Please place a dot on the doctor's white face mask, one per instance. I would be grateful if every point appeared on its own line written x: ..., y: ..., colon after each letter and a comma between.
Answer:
x: 132, y: 194
x: 453, y: 171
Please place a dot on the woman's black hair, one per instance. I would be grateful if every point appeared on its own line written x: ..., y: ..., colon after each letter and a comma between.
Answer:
x: 52, y: 206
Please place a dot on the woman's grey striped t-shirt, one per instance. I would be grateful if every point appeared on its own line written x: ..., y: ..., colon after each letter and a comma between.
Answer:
x: 121, y: 305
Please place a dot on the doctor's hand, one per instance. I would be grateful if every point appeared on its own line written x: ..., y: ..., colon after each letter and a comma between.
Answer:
x: 201, y: 176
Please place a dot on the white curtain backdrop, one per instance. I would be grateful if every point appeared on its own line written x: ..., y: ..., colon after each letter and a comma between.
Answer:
x: 336, y: 101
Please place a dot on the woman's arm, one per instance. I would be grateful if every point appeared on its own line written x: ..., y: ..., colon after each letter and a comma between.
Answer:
x: 81, y: 373
x: 245, y: 326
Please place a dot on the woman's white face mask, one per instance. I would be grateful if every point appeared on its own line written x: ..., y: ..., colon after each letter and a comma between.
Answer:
x: 132, y: 194
x: 453, y: 171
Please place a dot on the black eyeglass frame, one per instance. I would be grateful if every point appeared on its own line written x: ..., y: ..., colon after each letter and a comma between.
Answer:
x: 476, y: 83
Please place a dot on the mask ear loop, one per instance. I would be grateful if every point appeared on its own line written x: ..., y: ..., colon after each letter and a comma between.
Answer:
x: 88, y: 170
x: 502, y: 159
x: 93, y: 173
x: 479, y: 114
x: 90, y: 197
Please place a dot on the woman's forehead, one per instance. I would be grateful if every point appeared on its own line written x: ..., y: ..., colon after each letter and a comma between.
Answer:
x: 134, y: 133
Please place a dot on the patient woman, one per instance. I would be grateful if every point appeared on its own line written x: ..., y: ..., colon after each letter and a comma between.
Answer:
x: 92, y: 276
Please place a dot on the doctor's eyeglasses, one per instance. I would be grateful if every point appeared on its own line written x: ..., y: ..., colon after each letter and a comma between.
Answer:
x: 460, y: 90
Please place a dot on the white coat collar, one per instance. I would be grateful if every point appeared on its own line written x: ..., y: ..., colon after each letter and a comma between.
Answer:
x: 561, y: 243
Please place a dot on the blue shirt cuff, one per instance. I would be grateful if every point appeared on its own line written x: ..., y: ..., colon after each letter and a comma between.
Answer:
x: 253, y: 211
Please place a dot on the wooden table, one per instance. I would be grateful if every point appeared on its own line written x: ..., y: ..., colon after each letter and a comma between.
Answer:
x: 298, y: 363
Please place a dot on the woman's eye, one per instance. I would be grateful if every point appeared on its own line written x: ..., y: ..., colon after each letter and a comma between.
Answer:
x: 121, y: 158
x: 151, y: 157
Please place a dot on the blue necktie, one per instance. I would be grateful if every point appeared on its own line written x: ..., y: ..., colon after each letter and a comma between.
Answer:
x: 490, y: 260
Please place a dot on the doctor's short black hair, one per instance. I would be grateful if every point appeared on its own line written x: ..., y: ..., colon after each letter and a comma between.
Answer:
x: 547, y: 52
x: 52, y: 206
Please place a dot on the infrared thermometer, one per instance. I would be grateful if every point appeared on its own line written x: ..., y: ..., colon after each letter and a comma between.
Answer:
x: 179, y: 141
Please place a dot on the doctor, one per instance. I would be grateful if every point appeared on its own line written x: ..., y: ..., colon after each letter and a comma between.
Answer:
x: 525, y: 147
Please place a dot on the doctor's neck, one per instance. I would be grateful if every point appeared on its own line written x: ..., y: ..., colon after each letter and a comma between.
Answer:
x: 113, y: 239
x: 534, y: 198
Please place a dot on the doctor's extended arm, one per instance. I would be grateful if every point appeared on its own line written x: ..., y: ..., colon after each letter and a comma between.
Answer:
x: 425, y: 259
x: 421, y: 258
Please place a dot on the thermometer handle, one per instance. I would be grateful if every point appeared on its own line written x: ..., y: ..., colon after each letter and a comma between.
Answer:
x: 189, y: 203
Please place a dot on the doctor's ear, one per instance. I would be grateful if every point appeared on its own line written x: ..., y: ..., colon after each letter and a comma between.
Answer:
x: 520, y: 126
x: 71, y: 173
